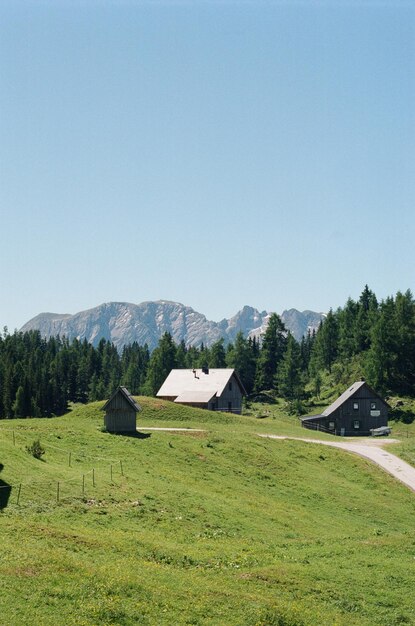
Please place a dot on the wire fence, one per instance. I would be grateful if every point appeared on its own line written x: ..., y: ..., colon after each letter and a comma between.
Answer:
x: 104, y: 470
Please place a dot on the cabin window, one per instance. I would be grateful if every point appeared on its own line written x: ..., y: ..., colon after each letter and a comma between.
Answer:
x: 356, y: 424
x: 331, y: 425
x: 229, y: 406
x: 230, y: 386
x: 355, y: 406
x: 373, y: 406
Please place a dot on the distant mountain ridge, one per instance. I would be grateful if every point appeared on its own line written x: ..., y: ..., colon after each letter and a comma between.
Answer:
x: 124, y: 322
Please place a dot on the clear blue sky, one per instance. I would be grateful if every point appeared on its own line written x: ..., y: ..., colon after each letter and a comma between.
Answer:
x: 213, y: 153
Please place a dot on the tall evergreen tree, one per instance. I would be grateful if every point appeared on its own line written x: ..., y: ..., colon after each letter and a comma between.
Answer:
x: 347, y: 326
x: 405, y: 342
x: 271, y: 352
x: 240, y: 357
x: 181, y: 355
x: 289, y: 378
x: 162, y: 361
x: 217, y: 355
x: 366, y: 318
x: 325, y: 347
x: 381, y: 357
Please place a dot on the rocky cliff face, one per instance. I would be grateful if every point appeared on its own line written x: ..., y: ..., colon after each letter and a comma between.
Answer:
x: 122, y: 323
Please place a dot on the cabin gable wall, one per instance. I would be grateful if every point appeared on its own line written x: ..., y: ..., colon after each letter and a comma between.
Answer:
x: 119, y: 403
x: 231, y: 398
x: 120, y: 416
x: 360, y: 413
x: 120, y: 421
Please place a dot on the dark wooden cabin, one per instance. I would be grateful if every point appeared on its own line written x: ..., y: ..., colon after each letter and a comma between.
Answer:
x: 357, y: 411
x: 121, y: 412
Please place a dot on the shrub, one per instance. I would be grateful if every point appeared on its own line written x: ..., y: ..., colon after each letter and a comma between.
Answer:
x: 36, y: 449
x: 296, y: 407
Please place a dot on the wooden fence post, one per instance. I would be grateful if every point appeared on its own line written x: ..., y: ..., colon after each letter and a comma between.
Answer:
x: 93, y: 477
x: 57, y: 493
x: 18, y: 492
x: 122, y: 473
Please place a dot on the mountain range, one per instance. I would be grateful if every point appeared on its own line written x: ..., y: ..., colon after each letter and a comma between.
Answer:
x: 123, y: 322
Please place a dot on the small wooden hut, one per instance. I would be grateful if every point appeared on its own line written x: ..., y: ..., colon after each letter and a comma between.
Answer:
x: 120, y: 412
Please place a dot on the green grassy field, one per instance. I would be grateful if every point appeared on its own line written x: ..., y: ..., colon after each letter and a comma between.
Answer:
x: 220, y: 527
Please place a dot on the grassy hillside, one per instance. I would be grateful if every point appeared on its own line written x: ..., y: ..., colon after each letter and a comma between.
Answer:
x: 220, y: 527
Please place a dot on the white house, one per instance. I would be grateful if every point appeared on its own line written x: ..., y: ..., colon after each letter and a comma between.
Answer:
x: 212, y: 389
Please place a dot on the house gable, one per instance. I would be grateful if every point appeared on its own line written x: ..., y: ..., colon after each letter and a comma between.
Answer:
x: 216, y: 388
x: 357, y: 411
x: 359, y: 389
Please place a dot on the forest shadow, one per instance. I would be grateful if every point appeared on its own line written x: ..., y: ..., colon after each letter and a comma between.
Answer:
x: 5, y: 491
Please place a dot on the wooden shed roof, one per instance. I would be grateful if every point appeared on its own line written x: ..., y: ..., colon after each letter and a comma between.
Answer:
x: 127, y: 395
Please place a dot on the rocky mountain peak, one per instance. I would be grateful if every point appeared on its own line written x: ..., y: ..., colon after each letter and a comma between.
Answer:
x: 124, y: 322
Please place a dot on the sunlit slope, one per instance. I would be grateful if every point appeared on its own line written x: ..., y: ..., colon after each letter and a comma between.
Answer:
x: 216, y: 527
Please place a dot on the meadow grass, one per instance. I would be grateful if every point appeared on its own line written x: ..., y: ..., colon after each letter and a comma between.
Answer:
x: 218, y: 527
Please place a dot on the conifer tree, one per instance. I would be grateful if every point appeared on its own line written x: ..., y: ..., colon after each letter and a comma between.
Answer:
x: 22, y: 405
x: 325, y: 347
x: 271, y: 352
x: 365, y: 319
x: 217, y: 355
x: 381, y: 357
x: 240, y: 357
x: 288, y: 378
x: 192, y: 357
x: 181, y: 354
x: 162, y: 361
x: 347, y: 325
x: 405, y: 342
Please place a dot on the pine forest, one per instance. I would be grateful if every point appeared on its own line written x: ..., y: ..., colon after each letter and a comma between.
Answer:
x: 365, y: 338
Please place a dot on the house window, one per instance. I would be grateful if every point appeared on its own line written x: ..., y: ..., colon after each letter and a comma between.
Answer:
x: 373, y: 406
x: 230, y: 386
x: 331, y: 425
x: 355, y: 406
x: 356, y: 424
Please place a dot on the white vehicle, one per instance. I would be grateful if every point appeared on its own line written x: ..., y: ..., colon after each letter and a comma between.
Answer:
x: 378, y: 432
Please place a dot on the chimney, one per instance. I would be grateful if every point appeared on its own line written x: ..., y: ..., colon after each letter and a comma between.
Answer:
x: 205, y: 370
x: 194, y: 374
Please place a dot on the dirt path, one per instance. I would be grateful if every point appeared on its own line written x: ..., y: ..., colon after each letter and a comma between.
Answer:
x: 371, y: 449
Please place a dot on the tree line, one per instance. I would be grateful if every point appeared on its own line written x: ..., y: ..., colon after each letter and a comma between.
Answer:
x: 40, y: 377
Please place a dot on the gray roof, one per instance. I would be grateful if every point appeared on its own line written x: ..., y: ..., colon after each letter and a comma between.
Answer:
x: 346, y: 395
x: 127, y: 395
x: 311, y: 417
x: 197, y: 384
x: 190, y: 396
